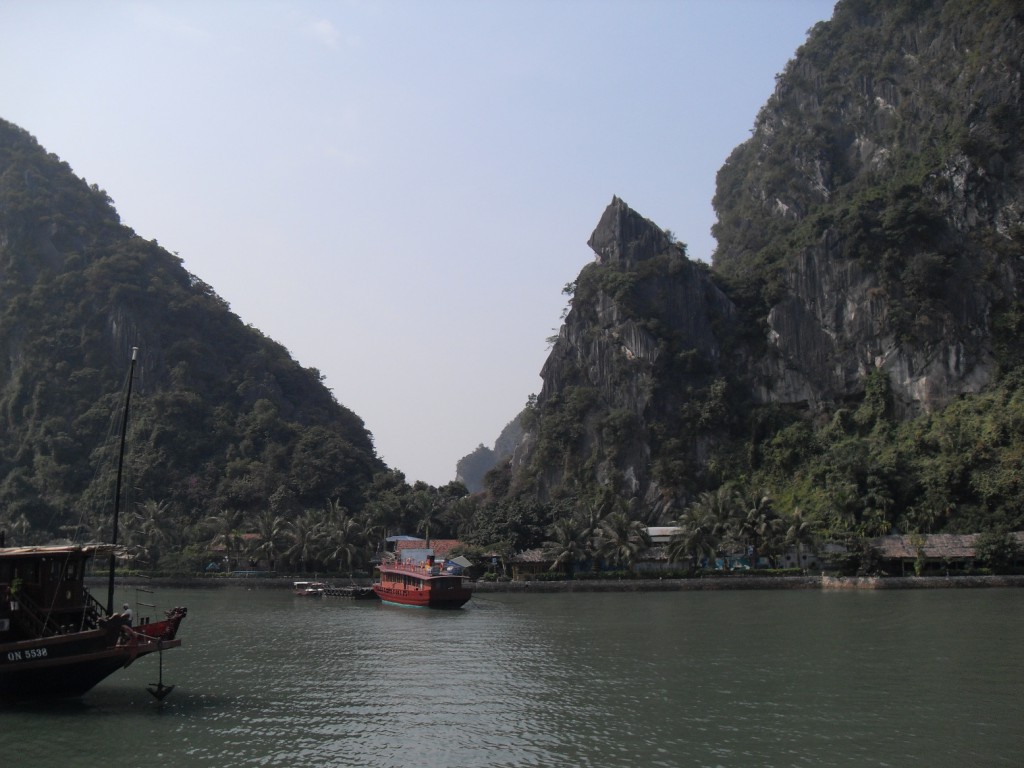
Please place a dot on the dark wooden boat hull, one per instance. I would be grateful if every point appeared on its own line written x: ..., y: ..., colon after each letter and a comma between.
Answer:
x: 66, y: 677
x: 70, y: 665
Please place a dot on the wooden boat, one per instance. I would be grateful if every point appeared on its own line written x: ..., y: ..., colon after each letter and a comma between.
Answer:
x: 424, y: 585
x: 56, y: 639
x: 322, y: 589
x: 309, y: 588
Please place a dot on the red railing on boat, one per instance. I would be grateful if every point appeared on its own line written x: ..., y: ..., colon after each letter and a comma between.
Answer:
x: 412, y: 567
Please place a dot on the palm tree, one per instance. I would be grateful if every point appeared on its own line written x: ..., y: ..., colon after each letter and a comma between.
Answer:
x: 147, y: 529
x: 706, y: 524
x: 622, y: 540
x: 568, y: 545
x: 304, y: 533
x: 800, y: 532
x: 759, y: 527
x: 225, y: 526
x: 773, y: 538
x: 270, y: 532
x: 722, y: 503
x: 428, y: 512
x: 588, y: 519
x: 343, y: 540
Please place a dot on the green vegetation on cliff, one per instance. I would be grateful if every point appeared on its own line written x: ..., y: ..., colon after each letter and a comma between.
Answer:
x: 223, y: 418
x: 854, y: 353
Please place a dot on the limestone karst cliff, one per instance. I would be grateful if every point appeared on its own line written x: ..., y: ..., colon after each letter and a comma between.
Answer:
x: 636, y: 382
x: 224, y: 420
x: 878, y: 200
x: 869, y: 262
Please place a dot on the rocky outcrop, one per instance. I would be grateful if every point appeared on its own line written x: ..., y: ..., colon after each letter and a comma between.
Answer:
x: 883, y: 182
x: 873, y: 222
x: 641, y: 313
x: 471, y: 470
x: 835, y: 326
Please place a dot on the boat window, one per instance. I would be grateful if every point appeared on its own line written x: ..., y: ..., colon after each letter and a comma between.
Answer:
x: 28, y: 572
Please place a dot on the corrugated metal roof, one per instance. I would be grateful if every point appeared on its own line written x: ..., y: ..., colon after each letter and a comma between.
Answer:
x: 953, y: 546
x: 531, y: 556
x: 62, y: 549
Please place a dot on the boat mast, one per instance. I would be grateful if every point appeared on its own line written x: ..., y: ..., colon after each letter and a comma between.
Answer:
x: 117, y: 489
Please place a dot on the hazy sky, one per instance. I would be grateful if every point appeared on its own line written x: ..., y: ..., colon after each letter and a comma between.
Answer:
x: 398, y: 191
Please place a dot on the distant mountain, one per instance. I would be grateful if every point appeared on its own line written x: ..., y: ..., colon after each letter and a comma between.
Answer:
x: 223, y: 418
x: 855, y: 349
x: 471, y: 470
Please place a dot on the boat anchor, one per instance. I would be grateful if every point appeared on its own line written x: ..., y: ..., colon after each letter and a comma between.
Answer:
x: 158, y: 689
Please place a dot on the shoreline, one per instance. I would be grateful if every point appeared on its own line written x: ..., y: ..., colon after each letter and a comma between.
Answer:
x: 707, y: 583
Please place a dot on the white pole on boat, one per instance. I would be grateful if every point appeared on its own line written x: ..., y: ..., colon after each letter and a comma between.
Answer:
x: 117, y: 489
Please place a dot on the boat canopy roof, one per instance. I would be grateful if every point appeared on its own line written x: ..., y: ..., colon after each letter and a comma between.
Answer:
x: 88, y: 550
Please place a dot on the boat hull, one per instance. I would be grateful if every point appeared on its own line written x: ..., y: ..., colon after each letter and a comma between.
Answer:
x: 66, y: 677
x: 70, y: 665
x: 424, y: 598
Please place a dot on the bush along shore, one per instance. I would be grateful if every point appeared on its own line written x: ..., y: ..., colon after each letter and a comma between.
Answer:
x: 746, y: 581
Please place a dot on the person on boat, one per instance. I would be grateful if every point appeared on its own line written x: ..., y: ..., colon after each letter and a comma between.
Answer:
x: 128, y: 615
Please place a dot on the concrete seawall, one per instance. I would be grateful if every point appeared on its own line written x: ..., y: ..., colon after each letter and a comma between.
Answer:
x: 753, y: 582
x: 651, y: 585
x: 917, y: 582
x: 715, y: 583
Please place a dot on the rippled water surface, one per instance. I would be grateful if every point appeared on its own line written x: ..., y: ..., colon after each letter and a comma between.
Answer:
x: 668, y: 679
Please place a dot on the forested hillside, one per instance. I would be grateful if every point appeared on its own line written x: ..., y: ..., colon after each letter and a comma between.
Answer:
x: 224, y: 422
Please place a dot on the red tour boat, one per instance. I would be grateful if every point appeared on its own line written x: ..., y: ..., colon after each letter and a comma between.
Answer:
x: 424, y: 585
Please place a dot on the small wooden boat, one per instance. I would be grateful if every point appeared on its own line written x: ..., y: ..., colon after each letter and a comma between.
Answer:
x: 309, y: 588
x: 425, y: 585
x: 322, y: 589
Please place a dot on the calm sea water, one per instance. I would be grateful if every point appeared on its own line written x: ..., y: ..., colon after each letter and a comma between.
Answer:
x: 761, y: 679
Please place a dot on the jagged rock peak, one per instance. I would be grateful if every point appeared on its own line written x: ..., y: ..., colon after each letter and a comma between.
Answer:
x: 622, y: 234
